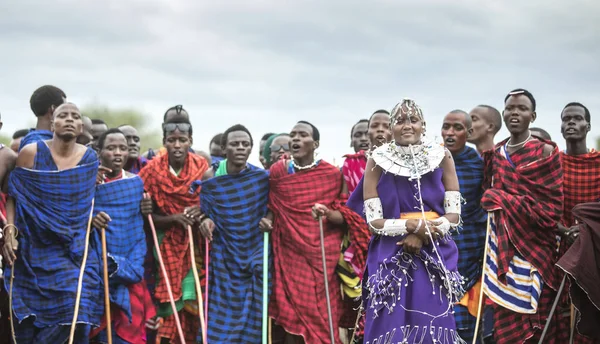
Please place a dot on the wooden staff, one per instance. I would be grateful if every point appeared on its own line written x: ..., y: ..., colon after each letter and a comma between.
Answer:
x: 206, y: 266
x: 197, y: 283
x: 166, y: 277
x: 330, y: 318
x: 106, y: 287
x: 480, y: 301
x: 549, y: 320
x: 81, y: 272
x: 265, y: 291
x: 15, y: 245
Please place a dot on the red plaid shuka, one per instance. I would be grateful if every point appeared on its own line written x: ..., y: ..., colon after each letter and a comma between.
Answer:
x: 171, y: 194
x: 581, y: 185
x: 581, y: 181
x: 298, y: 298
x: 353, y: 169
x: 527, y: 197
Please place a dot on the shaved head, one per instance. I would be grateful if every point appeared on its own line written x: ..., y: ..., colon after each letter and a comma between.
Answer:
x: 65, y: 106
x: 468, y: 121
x: 491, y: 115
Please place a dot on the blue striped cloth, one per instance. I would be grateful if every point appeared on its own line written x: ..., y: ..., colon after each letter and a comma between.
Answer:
x: 236, y: 204
x: 34, y: 136
x: 125, y: 237
x: 52, y: 212
x: 470, y: 239
x: 521, y: 290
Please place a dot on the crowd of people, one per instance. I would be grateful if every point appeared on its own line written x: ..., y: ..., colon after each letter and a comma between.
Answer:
x: 410, y: 241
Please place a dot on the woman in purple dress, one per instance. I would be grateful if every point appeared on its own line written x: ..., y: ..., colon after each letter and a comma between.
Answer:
x: 411, y: 202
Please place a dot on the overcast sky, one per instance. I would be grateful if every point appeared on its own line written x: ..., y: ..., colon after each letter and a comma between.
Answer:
x: 267, y: 64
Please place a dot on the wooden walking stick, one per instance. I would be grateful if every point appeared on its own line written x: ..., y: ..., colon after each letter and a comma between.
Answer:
x: 480, y: 301
x: 81, y: 272
x: 265, y: 291
x: 330, y: 318
x: 106, y: 287
x: 198, y: 287
x: 549, y: 320
x: 166, y: 277
x: 15, y: 245
x: 206, y: 267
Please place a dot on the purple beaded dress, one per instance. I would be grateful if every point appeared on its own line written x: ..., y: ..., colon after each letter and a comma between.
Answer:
x: 408, y: 298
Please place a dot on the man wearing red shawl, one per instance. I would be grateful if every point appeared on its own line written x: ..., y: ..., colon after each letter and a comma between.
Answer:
x: 167, y: 178
x: 354, y: 165
x: 524, y: 197
x: 581, y: 169
x: 301, y: 189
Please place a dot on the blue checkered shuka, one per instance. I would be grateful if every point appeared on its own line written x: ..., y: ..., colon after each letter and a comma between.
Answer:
x: 52, y: 212
x: 125, y: 237
x: 236, y: 204
x: 470, y: 239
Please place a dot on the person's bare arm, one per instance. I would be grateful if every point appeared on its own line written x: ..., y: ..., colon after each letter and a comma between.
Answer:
x: 8, y: 159
x: 547, y: 151
x: 371, y: 178
x: 450, y: 180
x: 25, y: 159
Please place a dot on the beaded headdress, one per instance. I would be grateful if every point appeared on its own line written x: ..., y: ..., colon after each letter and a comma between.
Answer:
x: 407, y: 107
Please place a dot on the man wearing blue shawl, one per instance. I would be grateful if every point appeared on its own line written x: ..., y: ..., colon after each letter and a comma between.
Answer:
x: 234, y: 204
x: 50, y: 200
x: 117, y: 210
x: 471, y: 238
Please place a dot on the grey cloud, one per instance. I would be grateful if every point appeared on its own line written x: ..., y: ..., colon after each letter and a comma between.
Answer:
x: 269, y: 63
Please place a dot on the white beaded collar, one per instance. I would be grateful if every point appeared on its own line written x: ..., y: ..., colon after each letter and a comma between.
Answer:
x: 409, y: 161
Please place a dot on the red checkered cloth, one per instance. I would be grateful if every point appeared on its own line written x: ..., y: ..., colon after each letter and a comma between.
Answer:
x: 527, y: 196
x: 298, y: 298
x: 581, y: 181
x: 172, y: 195
x: 353, y: 169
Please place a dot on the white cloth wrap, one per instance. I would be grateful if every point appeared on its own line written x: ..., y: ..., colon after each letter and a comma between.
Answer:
x: 373, y: 209
x: 452, y: 202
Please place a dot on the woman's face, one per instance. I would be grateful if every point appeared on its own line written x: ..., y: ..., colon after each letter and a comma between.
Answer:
x: 407, y: 127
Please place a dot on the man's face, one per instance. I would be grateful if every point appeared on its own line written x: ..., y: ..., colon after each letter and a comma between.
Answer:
x: 133, y: 141
x: 360, y: 137
x: 279, y: 148
x: 114, y: 152
x: 97, y: 130
x: 177, y: 144
x: 379, y: 129
x: 238, y: 148
x: 67, y: 123
x: 573, y: 126
x: 480, y: 124
x: 303, y: 144
x: 518, y: 114
x: 455, y: 132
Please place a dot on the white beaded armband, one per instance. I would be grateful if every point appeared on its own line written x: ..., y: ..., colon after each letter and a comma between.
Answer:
x: 443, y: 224
x: 452, y: 202
x: 373, y: 209
x: 392, y: 228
